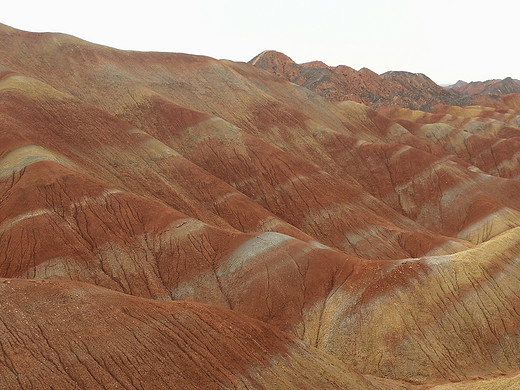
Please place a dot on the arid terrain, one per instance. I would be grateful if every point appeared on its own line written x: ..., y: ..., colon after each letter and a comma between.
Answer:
x: 177, y: 221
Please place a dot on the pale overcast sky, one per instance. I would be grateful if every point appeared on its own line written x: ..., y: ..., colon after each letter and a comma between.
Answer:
x: 445, y: 39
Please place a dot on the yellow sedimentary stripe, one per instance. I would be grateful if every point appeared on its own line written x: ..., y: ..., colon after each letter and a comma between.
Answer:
x: 27, y: 155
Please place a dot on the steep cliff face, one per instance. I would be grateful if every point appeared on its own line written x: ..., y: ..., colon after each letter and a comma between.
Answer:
x: 292, y: 242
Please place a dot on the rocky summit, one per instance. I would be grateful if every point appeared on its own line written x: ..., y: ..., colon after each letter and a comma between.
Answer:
x: 176, y: 221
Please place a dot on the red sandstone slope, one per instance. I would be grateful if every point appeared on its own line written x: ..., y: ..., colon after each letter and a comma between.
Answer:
x: 177, y: 177
x: 485, y: 137
x: 133, y: 343
x: 265, y: 166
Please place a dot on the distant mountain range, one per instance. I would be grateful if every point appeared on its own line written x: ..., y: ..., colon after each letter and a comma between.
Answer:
x: 405, y: 89
x: 489, y: 87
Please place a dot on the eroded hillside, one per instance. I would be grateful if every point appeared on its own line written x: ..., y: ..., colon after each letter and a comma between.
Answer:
x: 209, y: 224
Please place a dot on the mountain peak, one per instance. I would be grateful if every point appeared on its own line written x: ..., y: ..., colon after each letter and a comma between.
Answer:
x: 458, y: 84
x: 317, y: 64
x: 271, y: 56
x: 278, y: 63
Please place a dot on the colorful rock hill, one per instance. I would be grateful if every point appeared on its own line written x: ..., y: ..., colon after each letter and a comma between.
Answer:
x: 174, y: 221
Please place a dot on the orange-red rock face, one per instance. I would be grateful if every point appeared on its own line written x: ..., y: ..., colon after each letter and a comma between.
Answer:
x: 321, y: 245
